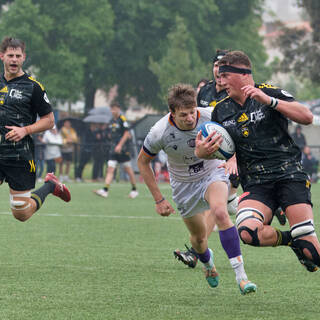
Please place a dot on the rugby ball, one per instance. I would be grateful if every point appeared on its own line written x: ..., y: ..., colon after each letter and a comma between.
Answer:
x: 227, y: 147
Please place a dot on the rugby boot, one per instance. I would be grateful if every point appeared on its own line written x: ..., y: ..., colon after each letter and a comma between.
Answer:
x: 188, y: 257
x: 280, y: 216
x: 60, y: 189
x: 101, y: 192
x: 232, y: 206
x: 246, y: 287
x: 133, y: 194
x: 211, y: 275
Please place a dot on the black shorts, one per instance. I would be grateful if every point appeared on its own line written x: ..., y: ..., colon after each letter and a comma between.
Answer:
x: 19, y: 174
x: 280, y: 193
x: 67, y: 156
x: 120, y: 157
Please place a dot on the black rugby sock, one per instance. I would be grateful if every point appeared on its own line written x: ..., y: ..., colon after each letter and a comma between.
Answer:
x: 40, y: 194
x: 284, y: 238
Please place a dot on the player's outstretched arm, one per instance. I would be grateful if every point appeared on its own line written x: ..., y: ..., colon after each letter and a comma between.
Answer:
x: 163, y: 207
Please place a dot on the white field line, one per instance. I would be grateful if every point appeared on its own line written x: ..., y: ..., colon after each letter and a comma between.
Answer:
x: 100, y: 216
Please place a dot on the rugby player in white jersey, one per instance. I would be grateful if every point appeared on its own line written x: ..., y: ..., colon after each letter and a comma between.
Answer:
x: 197, y: 185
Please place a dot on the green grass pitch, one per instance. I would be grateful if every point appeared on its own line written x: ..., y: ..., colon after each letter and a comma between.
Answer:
x: 96, y: 258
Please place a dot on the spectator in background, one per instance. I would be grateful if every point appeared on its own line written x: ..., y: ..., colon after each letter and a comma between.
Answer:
x: 310, y: 164
x: 52, y: 153
x: 299, y: 137
x: 88, y: 142
x: 69, y: 138
x: 39, y: 147
x: 100, y: 152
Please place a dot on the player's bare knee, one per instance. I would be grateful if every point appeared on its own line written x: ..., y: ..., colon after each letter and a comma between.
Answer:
x: 221, y: 215
x: 246, y: 223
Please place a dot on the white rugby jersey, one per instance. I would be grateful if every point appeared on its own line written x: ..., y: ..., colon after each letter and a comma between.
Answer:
x: 179, y: 146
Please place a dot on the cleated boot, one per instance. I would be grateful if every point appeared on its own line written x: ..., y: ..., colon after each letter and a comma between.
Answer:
x: 60, y: 189
x: 101, y: 192
x: 246, y: 287
x: 188, y: 257
x: 211, y: 275
x: 280, y: 216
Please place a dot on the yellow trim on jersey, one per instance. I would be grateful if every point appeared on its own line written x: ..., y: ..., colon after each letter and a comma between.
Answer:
x: 220, y: 101
x: 4, y: 90
x: 265, y: 85
x: 123, y: 118
x: 33, y: 79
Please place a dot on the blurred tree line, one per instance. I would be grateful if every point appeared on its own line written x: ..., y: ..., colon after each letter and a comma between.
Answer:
x: 144, y: 46
x: 301, y: 52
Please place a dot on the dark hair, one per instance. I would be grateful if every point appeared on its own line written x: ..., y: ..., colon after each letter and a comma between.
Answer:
x: 115, y: 104
x: 9, y: 42
x: 235, y: 58
x: 181, y: 95
x: 219, y: 54
x: 203, y: 80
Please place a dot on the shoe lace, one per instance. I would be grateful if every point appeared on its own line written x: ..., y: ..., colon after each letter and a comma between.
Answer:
x: 190, y: 251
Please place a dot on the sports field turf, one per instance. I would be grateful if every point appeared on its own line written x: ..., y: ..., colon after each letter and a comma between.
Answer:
x: 96, y: 258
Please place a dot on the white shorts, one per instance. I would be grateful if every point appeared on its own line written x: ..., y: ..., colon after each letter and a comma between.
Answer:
x: 189, y: 196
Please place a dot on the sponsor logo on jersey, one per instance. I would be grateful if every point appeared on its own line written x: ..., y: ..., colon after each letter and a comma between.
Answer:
x: 287, y: 94
x: 243, y: 118
x: 256, y: 116
x: 4, y: 90
x: 189, y: 160
x: 191, y: 143
x: 204, y: 103
x: 46, y: 99
x: 245, y: 131
x: 16, y: 94
x: 229, y: 123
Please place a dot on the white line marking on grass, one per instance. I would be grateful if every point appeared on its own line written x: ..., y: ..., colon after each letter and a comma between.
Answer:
x: 98, y: 216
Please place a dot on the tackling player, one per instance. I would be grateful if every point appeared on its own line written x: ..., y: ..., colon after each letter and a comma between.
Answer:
x: 268, y: 160
x: 211, y: 95
x: 197, y: 185
x: 22, y: 98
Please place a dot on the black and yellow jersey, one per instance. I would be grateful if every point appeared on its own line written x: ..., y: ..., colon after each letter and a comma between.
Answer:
x: 265, y: 150
x: 209, y: 97
x: 117, y: 128
x: 21, y: 100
